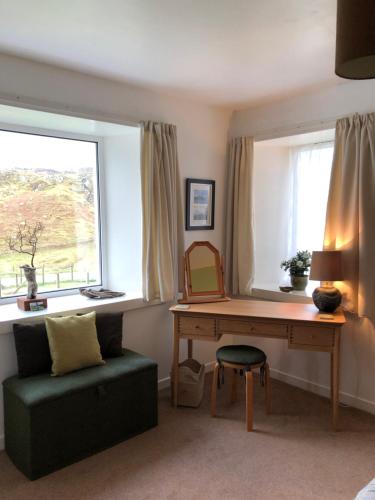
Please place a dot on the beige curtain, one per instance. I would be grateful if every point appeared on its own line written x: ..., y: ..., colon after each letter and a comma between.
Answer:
x: 239, y: 240
x: 161, y: 212
x: 351, y: 211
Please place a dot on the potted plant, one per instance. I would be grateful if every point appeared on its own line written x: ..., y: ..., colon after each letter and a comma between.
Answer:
x: 298, y: 267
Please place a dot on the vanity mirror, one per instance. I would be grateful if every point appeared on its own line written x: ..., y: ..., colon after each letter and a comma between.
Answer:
x: 203, y: 273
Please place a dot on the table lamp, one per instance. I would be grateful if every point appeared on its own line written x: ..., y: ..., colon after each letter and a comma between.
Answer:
x: 326, y: 267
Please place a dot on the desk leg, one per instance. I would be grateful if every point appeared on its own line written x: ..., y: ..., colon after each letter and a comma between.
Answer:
x: 331, y: 393
x: 335, y: 382
x: 190, y: 348
x: 176, y: 357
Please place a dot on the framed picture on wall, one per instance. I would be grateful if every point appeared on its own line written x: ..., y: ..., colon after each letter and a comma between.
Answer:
x: 200, y: 204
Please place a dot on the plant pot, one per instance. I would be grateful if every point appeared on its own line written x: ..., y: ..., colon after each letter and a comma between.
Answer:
x: 299, y: 282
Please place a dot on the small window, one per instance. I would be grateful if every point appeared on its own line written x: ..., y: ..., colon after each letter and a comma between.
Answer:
x: 311, y: 171
x: 48, y: 199
x: 291, y: 184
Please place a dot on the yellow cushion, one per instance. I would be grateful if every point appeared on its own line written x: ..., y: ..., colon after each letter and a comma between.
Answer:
x: 73, y: 342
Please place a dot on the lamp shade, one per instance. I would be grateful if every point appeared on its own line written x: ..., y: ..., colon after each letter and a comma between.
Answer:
x: 355, y: 39
x: 326, y: 266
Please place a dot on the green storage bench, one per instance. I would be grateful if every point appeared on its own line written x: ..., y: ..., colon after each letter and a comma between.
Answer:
x: 51, y: 422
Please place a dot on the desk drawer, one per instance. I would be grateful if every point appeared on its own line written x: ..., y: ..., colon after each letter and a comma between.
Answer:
x: 252, y: 328
x: 315, y: 336
x: 195, y: 325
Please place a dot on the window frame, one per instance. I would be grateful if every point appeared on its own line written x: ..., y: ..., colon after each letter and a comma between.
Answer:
x: 273, y: 286
x: 101, y: 252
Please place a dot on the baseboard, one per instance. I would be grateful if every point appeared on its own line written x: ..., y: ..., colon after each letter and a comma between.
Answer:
x: 163, y: 383
x: 323, y: 390
x: 302, y: 383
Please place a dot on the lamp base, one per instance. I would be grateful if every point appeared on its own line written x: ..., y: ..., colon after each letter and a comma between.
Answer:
x: 327, y: 298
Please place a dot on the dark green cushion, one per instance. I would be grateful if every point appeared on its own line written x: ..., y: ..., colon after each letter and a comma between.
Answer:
x: 32, y: 348
x: 109, y: 328
x: 241, y: 355
x: 40, y: 388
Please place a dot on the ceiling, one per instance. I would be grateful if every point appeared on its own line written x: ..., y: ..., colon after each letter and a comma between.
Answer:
x: 231, y: 53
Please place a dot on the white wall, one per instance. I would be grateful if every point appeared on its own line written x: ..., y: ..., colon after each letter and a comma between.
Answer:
x: 202, y: 138
x: 271, y: 197
x: 306, y: 112
x: 312, y: 111
x: 122, y: 223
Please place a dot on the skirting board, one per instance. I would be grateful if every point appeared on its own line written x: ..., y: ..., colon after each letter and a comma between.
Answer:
x: 321, y: 390
x: 163, y: 383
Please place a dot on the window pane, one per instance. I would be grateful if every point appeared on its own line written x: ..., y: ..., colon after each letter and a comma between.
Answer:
x: 51, y: 181
x: 311, y: 175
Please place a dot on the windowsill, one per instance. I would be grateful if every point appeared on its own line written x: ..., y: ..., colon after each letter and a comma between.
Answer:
x: 272, y: 292
x: 10, y: 313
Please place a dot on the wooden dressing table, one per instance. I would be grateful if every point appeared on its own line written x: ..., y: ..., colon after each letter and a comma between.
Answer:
x: 300, y: 324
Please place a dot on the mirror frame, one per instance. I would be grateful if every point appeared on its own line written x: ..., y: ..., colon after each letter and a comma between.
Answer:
x: 219, y: 270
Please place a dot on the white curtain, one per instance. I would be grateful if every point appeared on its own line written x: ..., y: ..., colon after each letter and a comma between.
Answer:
x: 351, y: 211
x: 239, y: 239
x: 309, y: 180
x: 161, y: 212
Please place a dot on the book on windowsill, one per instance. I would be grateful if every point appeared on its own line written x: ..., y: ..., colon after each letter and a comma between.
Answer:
x: 32, y: 305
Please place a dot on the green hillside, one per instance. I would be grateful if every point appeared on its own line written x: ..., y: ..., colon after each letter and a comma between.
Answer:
x: 63, y: 202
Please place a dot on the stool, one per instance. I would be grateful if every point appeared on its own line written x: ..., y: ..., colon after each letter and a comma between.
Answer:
x: 244, y: 358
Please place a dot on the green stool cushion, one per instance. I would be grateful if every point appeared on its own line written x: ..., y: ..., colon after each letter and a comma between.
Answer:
x: 240, y: 355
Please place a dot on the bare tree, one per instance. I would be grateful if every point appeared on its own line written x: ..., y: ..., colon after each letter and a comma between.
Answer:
x: 25, y: 239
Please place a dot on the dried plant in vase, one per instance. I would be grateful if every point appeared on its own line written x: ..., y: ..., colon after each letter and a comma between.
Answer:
x: 25, y: 241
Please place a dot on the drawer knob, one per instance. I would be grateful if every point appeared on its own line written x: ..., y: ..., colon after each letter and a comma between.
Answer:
x: 197, y: 327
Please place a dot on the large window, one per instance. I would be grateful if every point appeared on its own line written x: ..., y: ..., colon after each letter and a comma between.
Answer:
x: 48, y: 199
x: 291, y: 183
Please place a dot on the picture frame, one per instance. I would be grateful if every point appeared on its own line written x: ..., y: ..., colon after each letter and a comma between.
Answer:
x: 200, y: 204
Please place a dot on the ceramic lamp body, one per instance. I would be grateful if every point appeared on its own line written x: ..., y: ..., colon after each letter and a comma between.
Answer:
x: 327, y: 298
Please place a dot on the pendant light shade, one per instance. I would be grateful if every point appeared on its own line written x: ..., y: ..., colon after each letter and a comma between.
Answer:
x: 355, y: 39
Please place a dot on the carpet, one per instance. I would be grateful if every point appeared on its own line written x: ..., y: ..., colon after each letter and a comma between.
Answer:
x: 292, y: 454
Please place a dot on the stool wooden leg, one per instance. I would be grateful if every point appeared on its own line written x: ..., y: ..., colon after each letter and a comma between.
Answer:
x: 267, y: 383
x: 249, y: 401
x: 214, y: 390
x: 233, y: 396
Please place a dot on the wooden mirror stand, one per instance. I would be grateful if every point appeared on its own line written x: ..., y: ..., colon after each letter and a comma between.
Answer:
x: 203, y: 274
